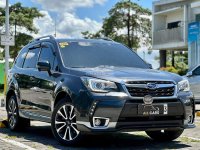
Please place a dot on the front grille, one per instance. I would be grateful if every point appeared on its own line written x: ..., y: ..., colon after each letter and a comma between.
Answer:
x: 136, y: 90
x: 150, y: 122
x: 149, y: 118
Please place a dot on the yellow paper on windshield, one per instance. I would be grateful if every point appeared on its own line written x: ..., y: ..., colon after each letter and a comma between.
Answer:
x: 63, y: 44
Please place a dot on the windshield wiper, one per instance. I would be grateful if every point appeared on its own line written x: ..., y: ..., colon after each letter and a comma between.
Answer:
x: 104, y: 66
x: 78, y: 67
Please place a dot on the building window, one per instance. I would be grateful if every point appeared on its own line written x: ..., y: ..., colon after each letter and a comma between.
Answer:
x: 172, y: 25
x: 198, y: 17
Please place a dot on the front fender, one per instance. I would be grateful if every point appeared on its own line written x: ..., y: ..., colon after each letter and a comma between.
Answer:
x: 76, y: 90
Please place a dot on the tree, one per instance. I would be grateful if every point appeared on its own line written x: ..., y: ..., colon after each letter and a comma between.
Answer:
x: 127, y: 23
x: 21, y: 25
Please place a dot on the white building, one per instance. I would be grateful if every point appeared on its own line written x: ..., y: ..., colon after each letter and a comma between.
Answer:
x: 170, y: 24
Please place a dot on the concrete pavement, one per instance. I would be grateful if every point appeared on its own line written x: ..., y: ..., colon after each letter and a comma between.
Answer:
x: 8, y: 146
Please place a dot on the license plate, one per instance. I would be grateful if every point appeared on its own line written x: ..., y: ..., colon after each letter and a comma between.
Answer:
x: 149, y: 110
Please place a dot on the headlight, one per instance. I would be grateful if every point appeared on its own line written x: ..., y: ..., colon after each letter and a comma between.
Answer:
x: 184, y: 85
x: 98, y: 85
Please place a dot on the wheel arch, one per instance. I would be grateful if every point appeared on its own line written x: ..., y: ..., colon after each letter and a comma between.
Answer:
x: 61, y: 95
x: 11, y: 92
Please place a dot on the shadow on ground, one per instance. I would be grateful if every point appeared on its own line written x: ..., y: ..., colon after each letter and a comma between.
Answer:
x: 43, y: 135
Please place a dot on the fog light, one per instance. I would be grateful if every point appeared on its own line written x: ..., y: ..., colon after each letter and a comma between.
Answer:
x: 100, y: 122
x: 97, y: 122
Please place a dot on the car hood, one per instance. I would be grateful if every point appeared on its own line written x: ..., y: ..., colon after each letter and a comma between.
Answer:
x: 123, y: 74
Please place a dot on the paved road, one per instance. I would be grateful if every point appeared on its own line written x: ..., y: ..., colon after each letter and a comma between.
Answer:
x: 7, y: 146
x: 39, y: 136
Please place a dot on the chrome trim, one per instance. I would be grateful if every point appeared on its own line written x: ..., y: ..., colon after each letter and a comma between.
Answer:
x: 111, y: 125
x: 35, y: 115
x: 124, y: 85
x: 120, y: 94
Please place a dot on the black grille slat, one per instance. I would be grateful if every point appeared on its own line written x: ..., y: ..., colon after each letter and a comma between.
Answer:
x: 158, y: 92
x: 149, y: 118
x: 134, y: 101
x: 145, y: 82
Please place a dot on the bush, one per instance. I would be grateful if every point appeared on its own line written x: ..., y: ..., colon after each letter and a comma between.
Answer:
x: 170, y: 69
x: 1, y: 86
x: 180, y: 71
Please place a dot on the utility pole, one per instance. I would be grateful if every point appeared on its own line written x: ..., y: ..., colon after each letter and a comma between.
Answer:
x: 7, y: 55
x: 128, y: 24
x: 55, y: 26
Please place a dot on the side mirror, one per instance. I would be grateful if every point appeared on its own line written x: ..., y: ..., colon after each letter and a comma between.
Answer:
x: 44, y: 66
x: 189, y: 74
x: 150, y: 66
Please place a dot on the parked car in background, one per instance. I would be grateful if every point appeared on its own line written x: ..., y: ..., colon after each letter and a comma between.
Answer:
x: 97, y: 85
x: 194, y: 80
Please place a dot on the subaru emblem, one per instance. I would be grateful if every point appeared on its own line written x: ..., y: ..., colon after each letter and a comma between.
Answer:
x: 151, y: 86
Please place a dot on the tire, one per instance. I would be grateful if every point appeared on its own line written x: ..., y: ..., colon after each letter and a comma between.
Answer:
x: 15, y: 122
x: 63, y: 123
x: 165, y: 135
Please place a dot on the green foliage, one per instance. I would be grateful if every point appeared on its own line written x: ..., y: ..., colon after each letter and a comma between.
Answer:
x: 180, y: 71
x: 181, y: 61
x: 21, y: 18
x: 125, y: 26
x: 170, y: 69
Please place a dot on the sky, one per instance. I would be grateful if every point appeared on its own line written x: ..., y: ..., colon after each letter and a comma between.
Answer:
x: 75, y: 16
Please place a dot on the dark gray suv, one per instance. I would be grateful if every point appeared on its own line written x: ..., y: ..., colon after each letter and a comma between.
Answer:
x: 98, y: 85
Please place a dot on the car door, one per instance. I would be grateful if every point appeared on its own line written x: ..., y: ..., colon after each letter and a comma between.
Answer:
x: 44, y: 87
x: 25, y: 79
x: 194, y: 80
x: 20, y: 76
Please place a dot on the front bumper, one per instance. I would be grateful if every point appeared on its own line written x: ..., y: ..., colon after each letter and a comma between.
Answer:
x: 122, y: 113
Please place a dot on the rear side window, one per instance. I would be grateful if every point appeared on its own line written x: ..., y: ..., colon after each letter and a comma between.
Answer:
x: 31, y: 58
x: 20, y: 59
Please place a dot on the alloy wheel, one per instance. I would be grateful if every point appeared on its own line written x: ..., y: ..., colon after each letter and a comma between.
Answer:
x: 65, y: 123
x: 12, y: 113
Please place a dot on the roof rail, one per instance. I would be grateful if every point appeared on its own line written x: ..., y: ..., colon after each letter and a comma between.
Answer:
x: 105, y: 38
x: 43, y: 37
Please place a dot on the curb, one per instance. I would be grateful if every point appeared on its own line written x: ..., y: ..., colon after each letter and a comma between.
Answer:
x: 4, y: 123
x: 198, y: 113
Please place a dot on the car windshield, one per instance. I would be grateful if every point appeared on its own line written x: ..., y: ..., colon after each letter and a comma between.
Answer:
x: 98, y: 54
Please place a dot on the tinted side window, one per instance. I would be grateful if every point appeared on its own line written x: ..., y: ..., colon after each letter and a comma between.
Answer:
x: 31, y: 58
x: 47, y: 54
x: 196, y: 71
x: 55, y: 65
x: 20, y: 58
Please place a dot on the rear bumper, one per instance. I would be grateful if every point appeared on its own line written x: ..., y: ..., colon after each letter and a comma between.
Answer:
x: 122, y: 113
